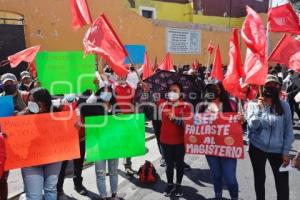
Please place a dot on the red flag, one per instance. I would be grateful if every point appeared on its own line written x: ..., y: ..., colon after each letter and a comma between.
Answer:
x: 27, y: 55
x: 146, y: 67
x: 195, y: 64
x: 102, y: 40
x: 253, y: 32
x: 32, y: 69
x: 210, y: 48
x: 283, y: 19
x: 234, y: 72
x: 217, y: 71
x: 285, y: 50
x: 254, y: 35
x: 80, y: 14
x: 167, y: 63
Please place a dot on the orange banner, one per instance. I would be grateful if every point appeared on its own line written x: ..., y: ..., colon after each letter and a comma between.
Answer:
x: 40, y: 139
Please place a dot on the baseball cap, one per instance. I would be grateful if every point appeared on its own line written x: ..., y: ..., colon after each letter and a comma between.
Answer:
x: 25, y: 74
x: 8, y: 77
x: 272, y: 78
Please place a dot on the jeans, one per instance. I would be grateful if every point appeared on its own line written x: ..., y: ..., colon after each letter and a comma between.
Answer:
x: 39, y: 178
x: 78, y: 166
x: 259, y: 159
x: 224, y: 168
x: 3, y: 186
x: 174, y: 155
x: 100, y: 167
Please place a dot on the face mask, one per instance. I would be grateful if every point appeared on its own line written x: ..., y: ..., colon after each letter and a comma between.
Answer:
x: 211, y: 94
x: 70, y: 97
x: 10, y: 89
x: 28, y: 85
x: 173, y: 96
x: 33, y: 107
x: 270, y: 92
x: 106, y: 96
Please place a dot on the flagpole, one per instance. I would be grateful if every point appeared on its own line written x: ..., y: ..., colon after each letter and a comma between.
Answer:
x: 268, y: 43
x: 208, y: 61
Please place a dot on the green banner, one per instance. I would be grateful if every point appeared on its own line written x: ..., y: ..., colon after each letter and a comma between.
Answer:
x: 115, y: 136
x: 66, y: 72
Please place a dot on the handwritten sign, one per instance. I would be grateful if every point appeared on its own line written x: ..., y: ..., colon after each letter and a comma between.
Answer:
x: 40, y: 139
x: 215, y: 134
x: 7, y: 106
x: 111, y: 137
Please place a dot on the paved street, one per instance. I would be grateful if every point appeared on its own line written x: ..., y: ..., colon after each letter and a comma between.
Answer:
x: 197, y: 182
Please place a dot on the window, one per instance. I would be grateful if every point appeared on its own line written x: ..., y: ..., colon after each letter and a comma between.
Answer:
x: 148, y: 12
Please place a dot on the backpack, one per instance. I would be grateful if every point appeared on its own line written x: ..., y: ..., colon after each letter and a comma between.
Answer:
x: 147, y: 173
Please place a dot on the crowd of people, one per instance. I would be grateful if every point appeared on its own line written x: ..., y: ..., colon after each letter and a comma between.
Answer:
x: 267, y: 120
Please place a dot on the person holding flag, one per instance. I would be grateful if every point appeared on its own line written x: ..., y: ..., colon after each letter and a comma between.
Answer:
x: 270, y: 130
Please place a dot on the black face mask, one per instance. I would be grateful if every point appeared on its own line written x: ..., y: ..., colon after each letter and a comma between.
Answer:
x: 211, y: 94
x: 10, y: 89
x: 270, y: 92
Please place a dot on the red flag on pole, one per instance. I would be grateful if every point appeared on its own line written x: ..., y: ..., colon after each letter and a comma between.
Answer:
x: 27, y: 55
x: 210, y: 48
x: 80, y: 14
x: 32, y: 69
x: 286, y: 49
x: 146, y: 67
x: 283, y: 19
x: 102, y: 40
x: 254, y: 35
x: 217, y: 71
x: 234, y: 72
x: 167, y: 63
x: 196, y: 64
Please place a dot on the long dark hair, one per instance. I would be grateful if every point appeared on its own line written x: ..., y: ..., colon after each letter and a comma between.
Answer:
x: 43, y: 96
x: 224, y: 98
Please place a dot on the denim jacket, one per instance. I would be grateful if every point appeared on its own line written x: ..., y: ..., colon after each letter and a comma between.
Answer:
x: 270, y: 132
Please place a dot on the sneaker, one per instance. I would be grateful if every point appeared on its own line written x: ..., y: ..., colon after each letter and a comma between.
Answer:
x: 115, y: 197
x: 169, y: 190
x: 186, y: 166
x: 81, y: 190
x: 178, y: 191
x: 129, y: 171
x: 163, y: 163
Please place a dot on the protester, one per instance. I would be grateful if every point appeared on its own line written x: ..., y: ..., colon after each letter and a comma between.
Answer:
x: 292, y: 91
x: 70, y: 103
x: 124, y: 94
x: 39, y: 180
x: 10, y: 87
x: 270, y: 132
x: 3, y: 174
x: 217, y: 100
x: 104, y: 104
x: 26, y: 83
x: 133, y: 77
x: 172, y: 112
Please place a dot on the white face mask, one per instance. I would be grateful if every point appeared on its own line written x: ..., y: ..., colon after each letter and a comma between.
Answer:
x: 33, y: 107
x: 173, y: 96
x: 70, y: 97
x: 106, y: 96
